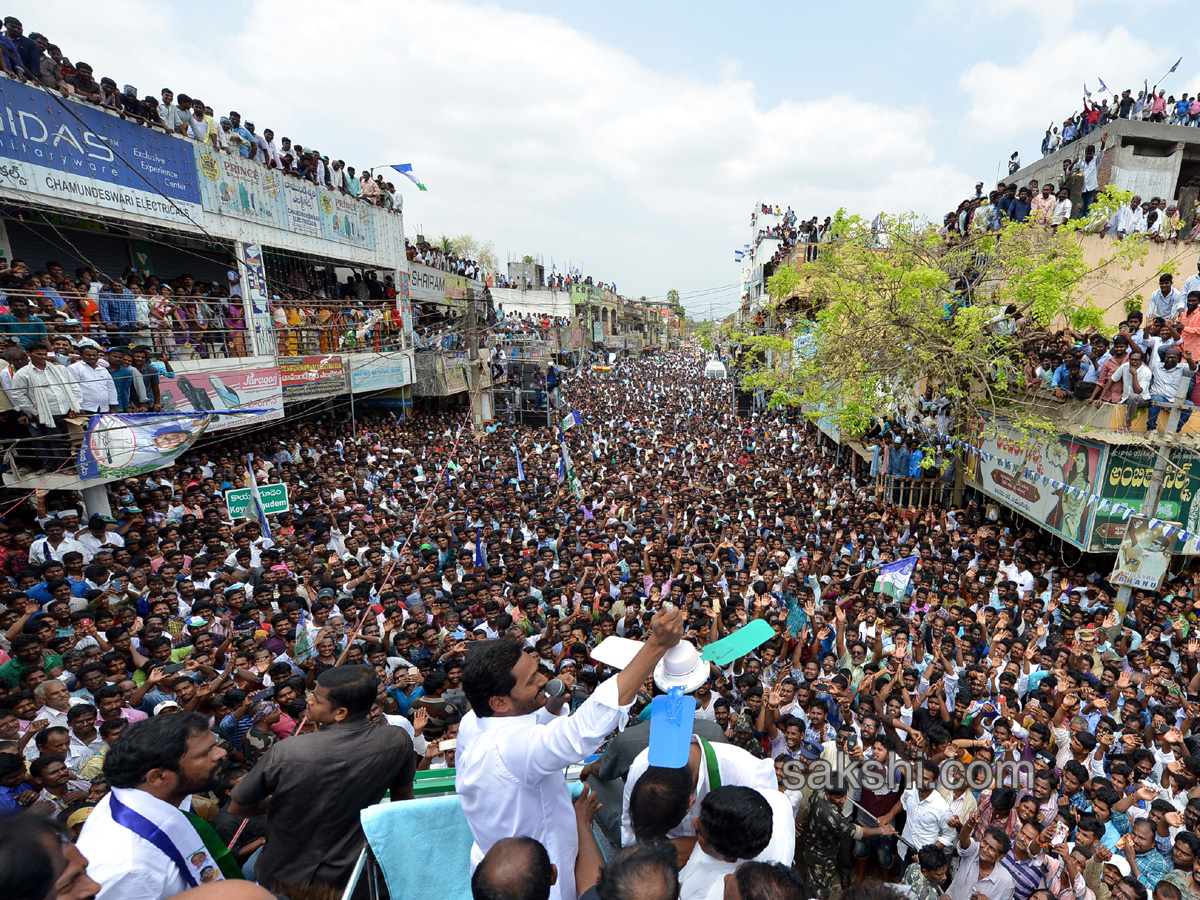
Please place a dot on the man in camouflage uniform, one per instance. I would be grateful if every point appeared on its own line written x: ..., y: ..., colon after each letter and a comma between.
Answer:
x: 926, y: 876
x: 825, y: 829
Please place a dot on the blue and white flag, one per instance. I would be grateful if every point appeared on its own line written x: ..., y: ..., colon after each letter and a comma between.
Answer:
x: 480, y: 560
x: 256, y: 508
x: 571, y: 419
x: 568, y: 469
x: 894, y: 577
x: 520, y: 468
x: 304, y: 645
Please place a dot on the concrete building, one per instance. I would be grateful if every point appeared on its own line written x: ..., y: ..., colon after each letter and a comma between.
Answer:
x: 758, y: 255
x: 156, y: 205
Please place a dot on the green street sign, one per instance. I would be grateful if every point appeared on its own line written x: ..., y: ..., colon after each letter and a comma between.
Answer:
x: 274, y: 500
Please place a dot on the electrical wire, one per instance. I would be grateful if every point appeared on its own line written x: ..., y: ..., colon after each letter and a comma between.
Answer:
x: 31, y: 493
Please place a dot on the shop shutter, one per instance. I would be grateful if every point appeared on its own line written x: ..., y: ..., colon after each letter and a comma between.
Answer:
x: 203, y: 265
x: 37, y: 243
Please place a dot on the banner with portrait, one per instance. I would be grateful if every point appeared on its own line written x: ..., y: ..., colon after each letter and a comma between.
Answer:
x: 118, y: 445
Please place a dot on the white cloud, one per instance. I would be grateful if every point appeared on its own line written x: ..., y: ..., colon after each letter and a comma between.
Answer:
x: 1018, y: 101
x: 528, y: 132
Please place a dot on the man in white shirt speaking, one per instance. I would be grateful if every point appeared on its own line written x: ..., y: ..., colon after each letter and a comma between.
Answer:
x: 513, y: 745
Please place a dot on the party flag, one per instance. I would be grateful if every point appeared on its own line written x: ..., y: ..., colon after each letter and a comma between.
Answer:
x: 572, y: 479
x: 405, y: 169
x: 520, y: 468
x: 304, y: 645
x: 480, y: 560
x: 894, y: 577
x: 1103, y: 86
x: 256, y: 506
x: 571, y: 419
x: 1176, y: 66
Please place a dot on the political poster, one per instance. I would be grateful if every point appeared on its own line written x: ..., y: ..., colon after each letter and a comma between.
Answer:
x: 1005, y: 456
x: 1145, y: 553
x: 894, y: 577
x: 118, y: 445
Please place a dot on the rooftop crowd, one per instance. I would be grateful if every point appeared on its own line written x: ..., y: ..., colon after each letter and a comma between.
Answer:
x: 790, y: 232
x: 169, y: 653
x: 1149, y: 362
x: 35, y: 60
x: 1049, y: 204
x: 1150, y: 104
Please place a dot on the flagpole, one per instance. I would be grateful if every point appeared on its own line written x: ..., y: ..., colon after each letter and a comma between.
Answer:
x: 1168, y: 72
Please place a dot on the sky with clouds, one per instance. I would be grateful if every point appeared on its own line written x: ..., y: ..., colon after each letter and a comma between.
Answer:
x: 632, y: 139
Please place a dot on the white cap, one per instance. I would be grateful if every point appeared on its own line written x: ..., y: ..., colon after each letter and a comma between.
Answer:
x: 1121, y: 863
x: 681, y: 667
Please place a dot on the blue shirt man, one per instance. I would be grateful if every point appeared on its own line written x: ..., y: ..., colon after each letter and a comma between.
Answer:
x: 41, y: 592
x: 122, y: 377
x: 1020, y: 208
x: 898, y: 461
x: 247, y: 146
x: 1062, y: 378
x: 118, y: 306
x: 28, y: 331
x: 914, y: 463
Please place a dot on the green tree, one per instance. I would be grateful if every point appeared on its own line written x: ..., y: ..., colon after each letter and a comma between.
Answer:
x: 673, y: 297
x: 904, y: 306
x: 466, y: 246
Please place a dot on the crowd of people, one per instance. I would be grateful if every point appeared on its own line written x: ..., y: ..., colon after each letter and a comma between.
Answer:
x: 1148, y: 363
x: 35, y: 60
x: 187, y: 318
x: 1049, y: 204
x: 1151, y: 104
x: 792, y: 233
x: 170, y: 665
x: 76, y: 346
x: 436, y: 257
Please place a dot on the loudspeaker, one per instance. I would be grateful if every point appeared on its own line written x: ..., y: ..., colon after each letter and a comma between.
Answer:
x: 535, y: 418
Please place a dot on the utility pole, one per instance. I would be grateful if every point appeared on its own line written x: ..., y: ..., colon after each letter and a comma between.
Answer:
x: 481, y: 401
